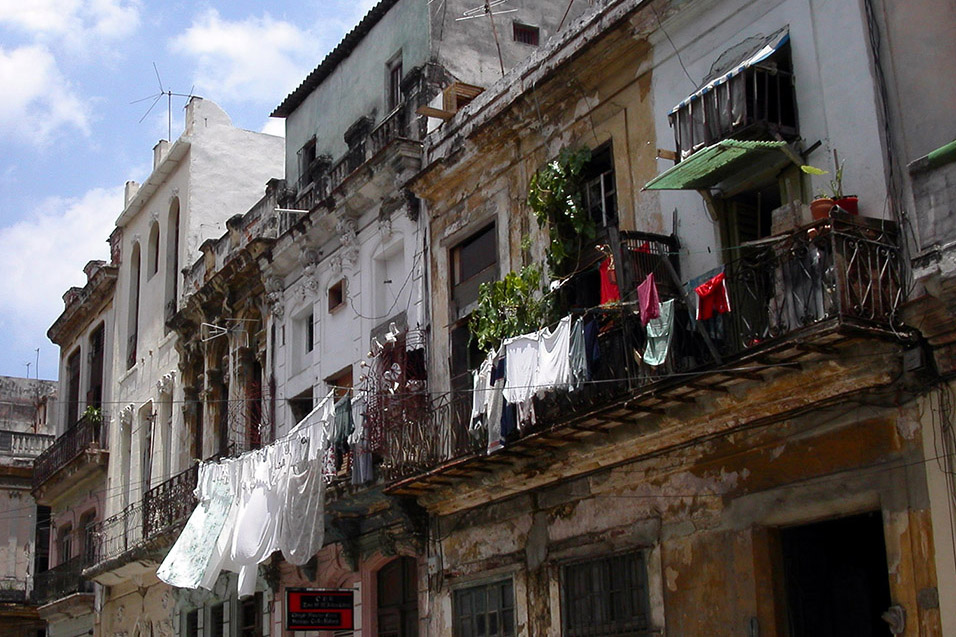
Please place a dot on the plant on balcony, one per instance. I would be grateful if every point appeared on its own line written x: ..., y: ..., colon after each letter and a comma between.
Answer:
x: 556, y: 196
x: 826, y: 199
x: 509, y: 307
x: 93, y: 414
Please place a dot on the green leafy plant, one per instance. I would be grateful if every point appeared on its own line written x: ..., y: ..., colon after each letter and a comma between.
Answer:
x: 835, y: 184
x: 509, y: 307
x: 557, y: 199
x: 93, y: 414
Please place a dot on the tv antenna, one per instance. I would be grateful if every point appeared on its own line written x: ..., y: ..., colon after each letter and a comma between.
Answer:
x: 168, y: 94
x: 489, y: 9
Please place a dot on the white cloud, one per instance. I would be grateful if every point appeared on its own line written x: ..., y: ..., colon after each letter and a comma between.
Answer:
x: 274, y: 126
x: 254, y: 59
x: 78, y: 23
x: 37, y: 100
x: 44, y: 255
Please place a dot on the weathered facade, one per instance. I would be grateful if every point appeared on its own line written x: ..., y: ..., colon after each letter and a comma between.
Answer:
x: 69, y: 478
x: 781, y: 454
x: 25, y: 432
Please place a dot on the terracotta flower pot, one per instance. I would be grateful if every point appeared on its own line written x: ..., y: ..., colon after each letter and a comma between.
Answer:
x: 848, y: 204
x: 820, y: 208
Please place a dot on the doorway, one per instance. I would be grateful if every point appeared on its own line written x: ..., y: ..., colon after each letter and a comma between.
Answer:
x: 836, y: 577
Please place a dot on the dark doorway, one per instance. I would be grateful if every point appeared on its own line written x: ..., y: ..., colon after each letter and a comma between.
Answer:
x: 398, y: 599
x: 836, y: 577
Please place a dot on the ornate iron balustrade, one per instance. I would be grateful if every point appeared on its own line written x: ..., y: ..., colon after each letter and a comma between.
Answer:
x: 87, y: 433
x: 841, y: 271
x: 23, y: 444
x: 118, y: 533
x: 13, y: 590
x: 169, y: 503
x: 62, y: 580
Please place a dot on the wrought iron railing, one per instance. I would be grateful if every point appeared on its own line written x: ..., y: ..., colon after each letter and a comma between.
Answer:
x: 87, y: 433
x: 842, y: 271
x: 169, y: 503
x: 62, y: 580
x: 118, y: 533
x: 23, y: 444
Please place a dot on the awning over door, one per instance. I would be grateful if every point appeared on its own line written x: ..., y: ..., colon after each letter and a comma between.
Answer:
x: 710, y: 166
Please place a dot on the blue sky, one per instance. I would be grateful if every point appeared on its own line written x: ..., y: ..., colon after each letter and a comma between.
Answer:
x: 70, y: 137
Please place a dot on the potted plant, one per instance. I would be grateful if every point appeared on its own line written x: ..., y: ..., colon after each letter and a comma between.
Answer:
x: 825, y: 201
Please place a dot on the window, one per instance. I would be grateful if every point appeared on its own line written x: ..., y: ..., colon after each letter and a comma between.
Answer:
x: 606, y: 596
x: 398, y: 598
x: 152, y: 251
x: 341, y: 382
x: 94, y: 395
x: 73, y: 388
x: 337, y: 295
x: 132, y: 317
x: 393, y: 82
x: 64, y: 544
x: 600, y: 195
x: 473, y: 262
x: 306, y: 157
x: 310, y: 332
x: 526, y: 34
x: 172, y: 259
x: 487, y: 610
x: 217, y: 618
x: 250, y: 616
x: 301, y: 405
x: 190, y: 627
x: 87, y: 538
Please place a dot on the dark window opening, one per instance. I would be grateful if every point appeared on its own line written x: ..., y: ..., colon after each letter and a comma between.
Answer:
x: 526, y: 34
x: 606, y: 596
x: 87, y: 537
x: 749, y: 216
x: 191, y: 624
x: 341, y: 382
x: 398, y: 598
x: 152, y: 253
x: 41, y: 560
x: 64, y: 545
x: 473, y: 261
x: 487, y: 610
x: 600, y: 193
x: 337, y: 295
x: 250, y: 616
x: 394, y: 83
x: 836, y: 577
x: 133, y: 308
x: 217, y: 618
x: 73, y: 389
x: 310, y: 332
x: 94, y: 395
x: 301, y: 405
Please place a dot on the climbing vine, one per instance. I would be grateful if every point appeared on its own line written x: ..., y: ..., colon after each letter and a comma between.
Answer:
x: 509, y: 307
x: 518, y: 304
x: 556, y: 196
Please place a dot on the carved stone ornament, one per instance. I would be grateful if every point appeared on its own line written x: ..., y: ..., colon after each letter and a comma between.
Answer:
x: 309, y: 259
x: 126, y: 415
x: 385, y: 226
x: 165, y: 384
x: 347, y: 231
x: 274, y: 293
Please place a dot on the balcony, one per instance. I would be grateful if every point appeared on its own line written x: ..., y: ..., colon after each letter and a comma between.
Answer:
x: 13, y: 590
x: 314, y: 189
x: 167, y: 505
x: 791, y: 297
x: 62, y: 581
x: 19, y: 444
x: 86, y: 438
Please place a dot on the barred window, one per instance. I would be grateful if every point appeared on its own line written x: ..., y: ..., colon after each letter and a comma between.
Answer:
x: 606, y: 596
x: 487, y: 610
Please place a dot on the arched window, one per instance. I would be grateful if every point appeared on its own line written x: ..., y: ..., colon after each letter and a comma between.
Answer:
x: 152, y: 251
x: 172, y: 258
x: 132, y: 323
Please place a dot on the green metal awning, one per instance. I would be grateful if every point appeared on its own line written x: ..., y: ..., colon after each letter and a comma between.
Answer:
x: 712, y: 165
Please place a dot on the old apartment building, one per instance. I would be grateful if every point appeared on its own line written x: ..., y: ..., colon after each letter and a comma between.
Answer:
x: 25, y: 432
x: 689, y: 405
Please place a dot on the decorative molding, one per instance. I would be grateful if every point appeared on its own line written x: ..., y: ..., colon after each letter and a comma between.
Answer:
x: 126, y: 415
x: 309, y: 259
x: 274, y: 292
x: 165, y: 384
x: 347, y: 230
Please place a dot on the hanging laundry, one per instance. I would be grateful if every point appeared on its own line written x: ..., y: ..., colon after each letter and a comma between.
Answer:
x: 554, y: 363
x: 659, y: 331
x: 712, y: 298
x: 257, y: 530
x: 481, y: 393
x: 648, y: 300
x: 496, y: 404
x: 341, y: 424
x: 592, y: 347
x: 577, y: 357
x: 358, y: 442
x: 302, y: 525
x: 189, y: 557
x: 521, y: 365
x: 609, y: 290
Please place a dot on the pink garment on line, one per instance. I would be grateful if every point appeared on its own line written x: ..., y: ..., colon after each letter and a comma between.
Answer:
x: 650, y: 302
